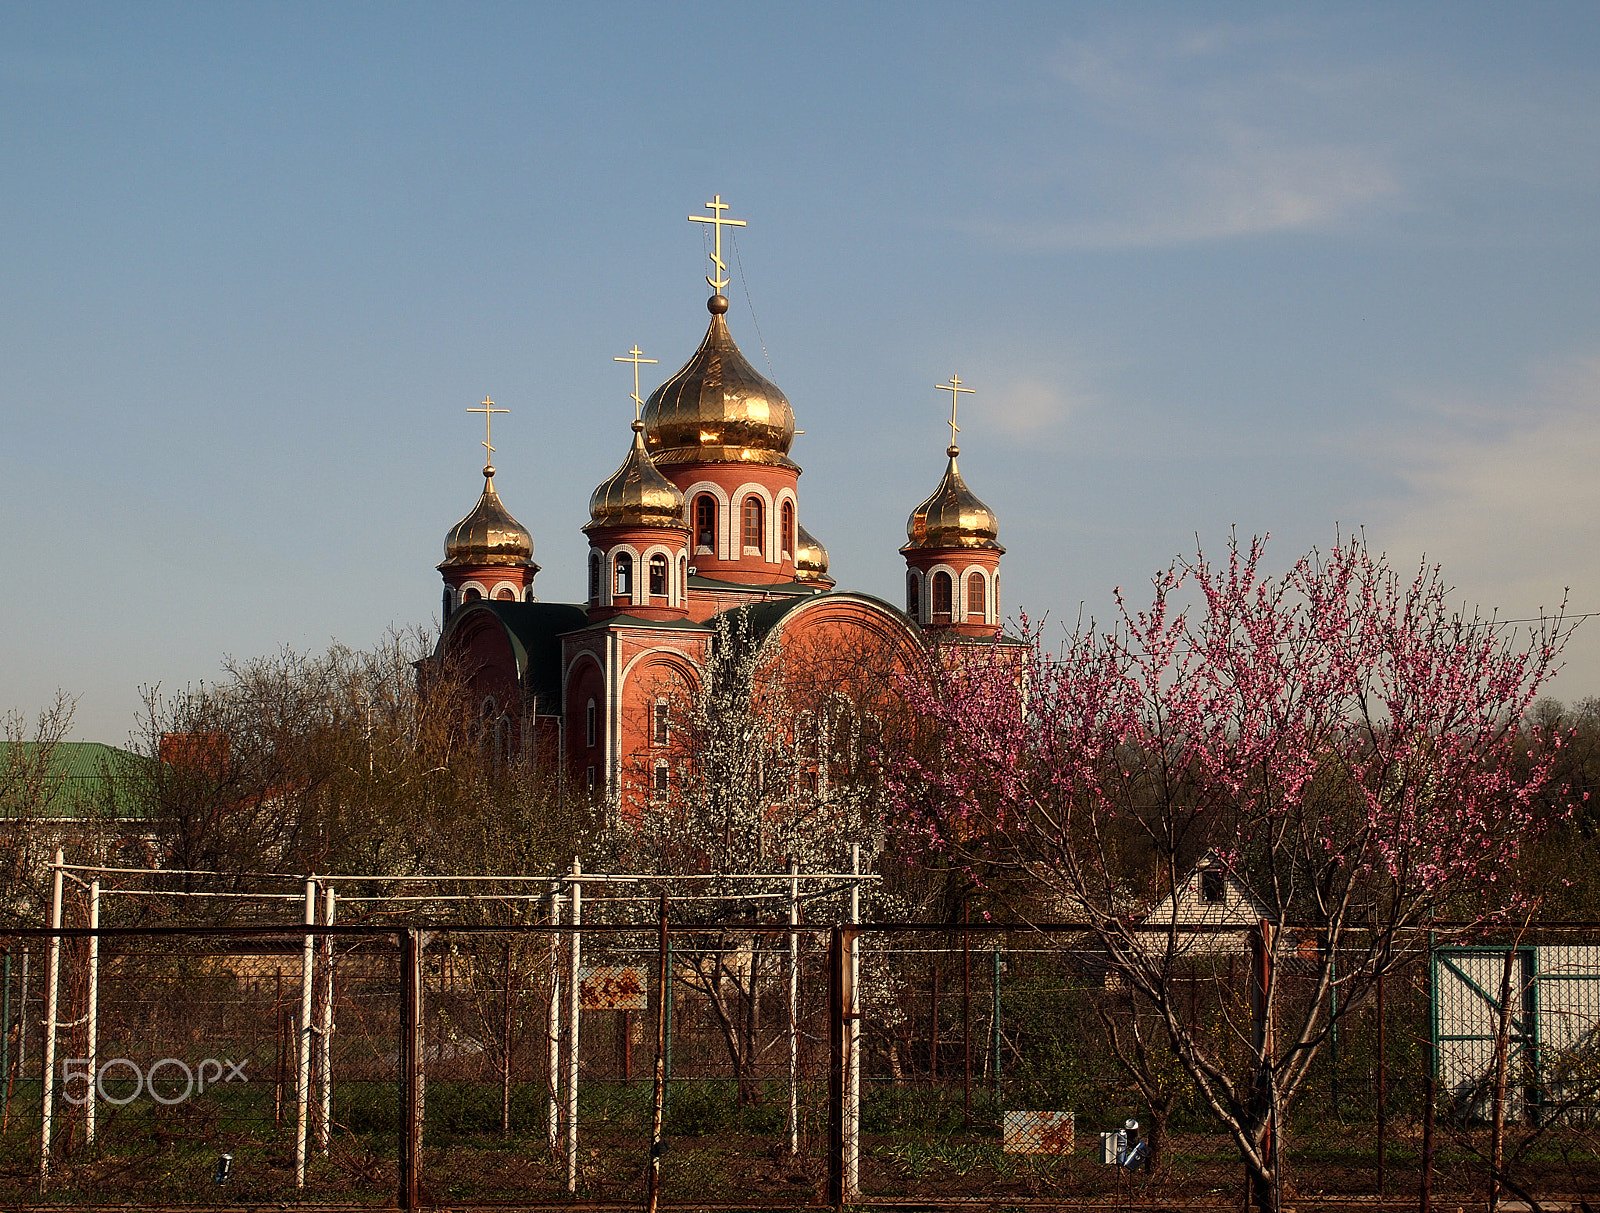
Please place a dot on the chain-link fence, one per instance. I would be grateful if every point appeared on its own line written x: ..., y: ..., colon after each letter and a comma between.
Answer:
x: 797, y: 1065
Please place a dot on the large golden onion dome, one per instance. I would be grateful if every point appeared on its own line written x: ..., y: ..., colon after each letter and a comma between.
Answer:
x: 636, y: 494
x: 718, y: 409
x: 953, y: 517
x: 810, y: 559
x: 489, y: 535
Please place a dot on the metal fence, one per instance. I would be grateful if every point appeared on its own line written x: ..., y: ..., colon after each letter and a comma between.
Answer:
x: 779, y: 1066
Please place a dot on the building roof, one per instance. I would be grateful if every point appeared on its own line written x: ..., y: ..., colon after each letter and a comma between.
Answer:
x: 83, y: 779
x: 534, y: 630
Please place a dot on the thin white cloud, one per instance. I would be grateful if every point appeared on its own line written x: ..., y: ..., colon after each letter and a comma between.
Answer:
x: 1505, y: 496
x: 1174, y: 135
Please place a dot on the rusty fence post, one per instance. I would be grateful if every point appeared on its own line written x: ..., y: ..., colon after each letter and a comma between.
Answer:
x: 657, y: 1145
x: 1383, y: 1093
x: 837, y: 974
x: 412, y: 943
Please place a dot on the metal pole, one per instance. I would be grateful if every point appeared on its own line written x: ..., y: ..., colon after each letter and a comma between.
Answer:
x: 852, y: 1121
x: 653, y: 1192
x: 838, y: 976
x: 51, y: 983
x: 302, y: 1092
x: 411, y: 946
x: 92, y: 1027
x: 573, y: 1015
x: 1425, y: 1187
x: 505, y: 1052
x: 5, y: 1048
x: 325, y: 1057
x: 553, y: 1063
x: 966, y: 1016
x: 794, y: 1007
x: 994, y: 1024
x: 1383, y: 1094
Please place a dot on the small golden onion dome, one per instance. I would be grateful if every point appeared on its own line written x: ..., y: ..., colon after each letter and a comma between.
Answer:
x: 717, y: 409
x: 489, y: 535
x: 636, y: 494
x: 953, y: 517
x: 810, y: 559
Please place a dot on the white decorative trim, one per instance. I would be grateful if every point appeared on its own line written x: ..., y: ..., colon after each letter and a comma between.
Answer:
x: 720, y: 494
x: 769, y: 524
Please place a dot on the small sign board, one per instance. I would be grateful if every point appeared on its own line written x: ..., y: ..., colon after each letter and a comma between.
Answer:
x: 613, y: 988
x: 1028, y: 1132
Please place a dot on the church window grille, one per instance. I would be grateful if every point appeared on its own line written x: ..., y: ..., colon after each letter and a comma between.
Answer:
x: 624, y: 574
x: 913, y: 595
x: 660, y: 782
x: 753, y: 524
x: 942, y: 597
x: 596, y: 575
x: 658, y: 723
x: 589, y: 722
x: 658, y: 576
x: 975, y: 596
x: 705, y: 521
x: 788, y: 527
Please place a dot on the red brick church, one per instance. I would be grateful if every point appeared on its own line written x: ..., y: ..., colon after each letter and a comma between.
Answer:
x: 702, y: 518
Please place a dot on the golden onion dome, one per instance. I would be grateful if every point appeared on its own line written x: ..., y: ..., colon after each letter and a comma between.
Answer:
x: 810, y: 559
x: 953, y: 517
x: 636, y: 494
x: 718, y: 409
x: 489, y: 535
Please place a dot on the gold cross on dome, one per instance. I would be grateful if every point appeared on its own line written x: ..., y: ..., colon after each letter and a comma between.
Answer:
x: 633, y: 357
x: 488, y: 410
x: 716, y: 206
x: 955, y: 389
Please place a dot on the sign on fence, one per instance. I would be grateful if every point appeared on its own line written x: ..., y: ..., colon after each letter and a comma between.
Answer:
x: 613, y: 988
x: 1039, y: 1132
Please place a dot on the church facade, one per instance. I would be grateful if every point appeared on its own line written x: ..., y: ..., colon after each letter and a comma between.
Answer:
x: 700, y: 523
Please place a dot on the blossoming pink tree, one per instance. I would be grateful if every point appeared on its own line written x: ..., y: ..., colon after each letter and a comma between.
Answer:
x: 1337, y: 736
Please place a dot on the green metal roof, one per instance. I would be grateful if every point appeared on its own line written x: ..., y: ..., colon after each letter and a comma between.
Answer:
x: 83, y: 779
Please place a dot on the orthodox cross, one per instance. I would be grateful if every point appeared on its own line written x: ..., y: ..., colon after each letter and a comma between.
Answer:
x: 488, y: 410
x: 633, y: 357
x: 716, y: 206
x: 955, y: 389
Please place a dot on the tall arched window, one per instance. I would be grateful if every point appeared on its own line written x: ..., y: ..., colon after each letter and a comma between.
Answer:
x: 786, y: 540
x: 596, y: 577
x: 705, y: 521
x: 941, y: 597
x: 658, y: 576
x: 660, y: 782
x: 754, y: 530
x: 624, y: 574
x: 975, y: 596
x: 913, y: 595
x: 591, y: 730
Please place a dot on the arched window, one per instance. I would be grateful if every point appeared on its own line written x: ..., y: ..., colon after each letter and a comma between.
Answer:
x: 660, y: 782
x: 590, y: 722
x: 505, y: 594
x: 941, y: 597
x: 596, y: 561
x: 754, y: 530
x: 471, y: 594
x: 658, y: 576
x: 913, y: 595
x: 705, y: 522
x: 659, y: 727
x: 624, y: 575
x: 786, y: 540
x: 975, y: 596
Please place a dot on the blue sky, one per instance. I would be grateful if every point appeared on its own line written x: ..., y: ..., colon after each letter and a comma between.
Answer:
x: 1278, y: 267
